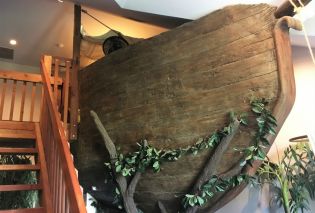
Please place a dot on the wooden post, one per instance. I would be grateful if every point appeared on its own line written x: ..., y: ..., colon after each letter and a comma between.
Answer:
x: 74, y: 89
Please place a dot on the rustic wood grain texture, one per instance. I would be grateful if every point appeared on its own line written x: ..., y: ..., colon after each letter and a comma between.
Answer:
x: 177, y: 87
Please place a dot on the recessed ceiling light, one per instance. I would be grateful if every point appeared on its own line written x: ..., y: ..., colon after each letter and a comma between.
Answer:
x: 13, y: 42
x: 61, y: 1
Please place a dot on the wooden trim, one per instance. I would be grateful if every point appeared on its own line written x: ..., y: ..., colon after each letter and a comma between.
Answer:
x: 20, y: 187
x: 19, y: 167
x: 22, y: 76
x: 286, y: 9
x: 16, y: 125
x: 13, y: 133
x: 43, y: 170
x: 18, y: 150
x: 73, y: 187
x: 31, y: 210
x: 285, y: 99
x: 12, y: 100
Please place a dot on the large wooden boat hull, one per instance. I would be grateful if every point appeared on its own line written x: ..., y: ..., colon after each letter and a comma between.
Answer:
x: 179, y: 86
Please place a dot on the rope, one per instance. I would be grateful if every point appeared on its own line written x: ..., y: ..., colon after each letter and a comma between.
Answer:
x: 298, y: 10
x: 96, y: 19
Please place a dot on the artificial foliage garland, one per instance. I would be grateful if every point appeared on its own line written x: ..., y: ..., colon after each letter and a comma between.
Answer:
x: 266, y: 124
x: 149, y: 157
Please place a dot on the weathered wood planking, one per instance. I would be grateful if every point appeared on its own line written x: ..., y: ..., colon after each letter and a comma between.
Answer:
x: 177, y: 87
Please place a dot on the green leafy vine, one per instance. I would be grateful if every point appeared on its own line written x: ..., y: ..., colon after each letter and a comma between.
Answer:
x: 266, y: 124
x: 148, y: 156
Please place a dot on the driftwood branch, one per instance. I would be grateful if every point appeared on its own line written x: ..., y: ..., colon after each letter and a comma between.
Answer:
x: 210, y: 168
x: 127, y: 192
x: 235, y: 170
x: 110, y: 146
x: 162, y: 207
x: 133, y: 184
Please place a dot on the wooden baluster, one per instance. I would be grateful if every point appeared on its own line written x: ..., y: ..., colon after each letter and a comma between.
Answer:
x: 41, y: 101
x: 55, y: 164
x: 33, y: 101
x: 67, y: 203
x: 63, y: 194
x: 22, y: 100
x: 56, y: 75
x: 59, y: 185
x: 12, y: 100
x: 4, y: 86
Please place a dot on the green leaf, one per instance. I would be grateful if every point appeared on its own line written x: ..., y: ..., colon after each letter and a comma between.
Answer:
x: 219, y: 188
x: 257, y: 110
x: 117, y: 191
x: 244, y: 121
x: 201, y: 201
x: 232, y: 116
x: 118, y: 168
x: 264, y: 141
x: 191, y: 201
x: 189, y: 196
x: 126, y: 172
x: 260, y: 120
x: 243, y: 163
x: 272, y: 131
x: 156, y: 165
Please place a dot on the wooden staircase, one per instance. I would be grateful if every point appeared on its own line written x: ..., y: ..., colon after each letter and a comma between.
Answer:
x: 27, y: 130
x: 48, y: 98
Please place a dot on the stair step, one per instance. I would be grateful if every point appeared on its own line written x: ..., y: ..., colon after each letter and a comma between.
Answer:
x: 34, y: 210
x: 18, y: 150
x: 11, y: 133
x: 19, y: 167
x: 20, y: 187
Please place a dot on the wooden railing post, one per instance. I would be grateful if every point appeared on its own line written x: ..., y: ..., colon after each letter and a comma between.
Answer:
x: 74, y: 90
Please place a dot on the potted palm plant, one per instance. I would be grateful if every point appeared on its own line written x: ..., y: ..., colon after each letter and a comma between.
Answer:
x: 293, y: 178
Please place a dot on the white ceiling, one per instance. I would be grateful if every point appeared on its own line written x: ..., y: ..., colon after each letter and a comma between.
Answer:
x: 40, y: 25
x: 186, y: 9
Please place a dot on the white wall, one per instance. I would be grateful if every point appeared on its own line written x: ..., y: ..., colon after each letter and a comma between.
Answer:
x: 6, y: 65
x: 299, y: 122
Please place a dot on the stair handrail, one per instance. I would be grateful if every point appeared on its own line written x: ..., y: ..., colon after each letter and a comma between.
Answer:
x: 77, y: 204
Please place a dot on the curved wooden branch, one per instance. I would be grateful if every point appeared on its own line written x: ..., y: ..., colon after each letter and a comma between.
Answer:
x: 126, y: 192
x: 286, y: 94
x: 110, y: 146
x: 210, y: 168
x: 133, y: 184
x: 162, y: 207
